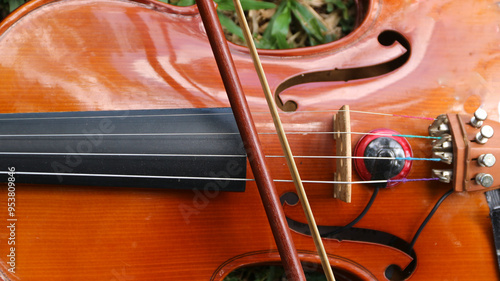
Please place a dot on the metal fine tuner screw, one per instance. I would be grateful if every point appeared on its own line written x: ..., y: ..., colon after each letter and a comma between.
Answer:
x: 486, y: 160
x: 484, y: 134
x: 485, y: 180
x: 479, y: 116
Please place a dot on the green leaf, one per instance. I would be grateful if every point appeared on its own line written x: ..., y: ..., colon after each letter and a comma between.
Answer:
x: 342, y: 6
x: 14, y: 4
x: 265, y: 43
x: 225, y: 5
x: 185, y: 3
x: 228, y: 5
x: 230, y: 25
x: 268, y: 40
x: 346, y: 25
x: 329, y: 7
x: 256, y: 5
x: 345, y: 14
x: 339, y: 4
x: 281, y: 26
x: 309, y: 22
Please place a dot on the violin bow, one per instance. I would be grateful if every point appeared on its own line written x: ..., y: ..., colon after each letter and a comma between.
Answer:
x: 256, y: 157
x: 284, y: 143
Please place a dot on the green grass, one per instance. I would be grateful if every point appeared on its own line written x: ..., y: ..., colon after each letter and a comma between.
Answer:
x: 293, y: 24
x: 277, y: 24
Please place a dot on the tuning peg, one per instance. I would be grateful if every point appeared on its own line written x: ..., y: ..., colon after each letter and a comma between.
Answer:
x: 479, y: 116
x: 485, y: 180
x: 486, y: 160
x: 484, y: 134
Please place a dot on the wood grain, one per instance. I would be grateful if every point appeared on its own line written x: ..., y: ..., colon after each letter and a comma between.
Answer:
x: 108, y: 55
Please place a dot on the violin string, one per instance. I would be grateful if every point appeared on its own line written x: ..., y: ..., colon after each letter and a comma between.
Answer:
x: 114, y: 116
x: 116, y: 135
x: 356, y: 133
x: 204, y: 114
x: 414, y: 117
x: 210, y: 155
x: 123, y: 154
x: 356, y: 111
x: 209, y: 178
x: 362, y: 157
x: 209, y: 133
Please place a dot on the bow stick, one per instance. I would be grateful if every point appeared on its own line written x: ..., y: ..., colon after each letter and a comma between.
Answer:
x: 248, y: 132
x: 284, y: 144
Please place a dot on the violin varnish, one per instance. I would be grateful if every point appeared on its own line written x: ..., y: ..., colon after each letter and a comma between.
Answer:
x: 342, y: 123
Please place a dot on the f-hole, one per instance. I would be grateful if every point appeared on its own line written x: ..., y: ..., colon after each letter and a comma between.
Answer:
x: 386, y: 38
x: 354, y: 234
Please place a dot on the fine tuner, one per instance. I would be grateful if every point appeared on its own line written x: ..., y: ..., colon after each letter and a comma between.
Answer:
x: 383, y: 157
x: 469, y: 146
x: 136, y: 186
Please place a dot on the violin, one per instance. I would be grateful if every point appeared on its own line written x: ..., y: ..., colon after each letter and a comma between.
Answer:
x: 91, y: 85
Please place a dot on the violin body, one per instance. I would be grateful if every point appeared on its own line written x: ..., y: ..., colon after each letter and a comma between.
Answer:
x: 100, y: 55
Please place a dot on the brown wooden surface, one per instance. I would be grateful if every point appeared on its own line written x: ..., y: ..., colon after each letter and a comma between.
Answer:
x: 343, y: 173
x: 110, y: 54
x: 256, y: 158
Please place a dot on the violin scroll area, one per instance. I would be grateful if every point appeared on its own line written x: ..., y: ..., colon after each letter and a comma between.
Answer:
x: 468, y: 144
